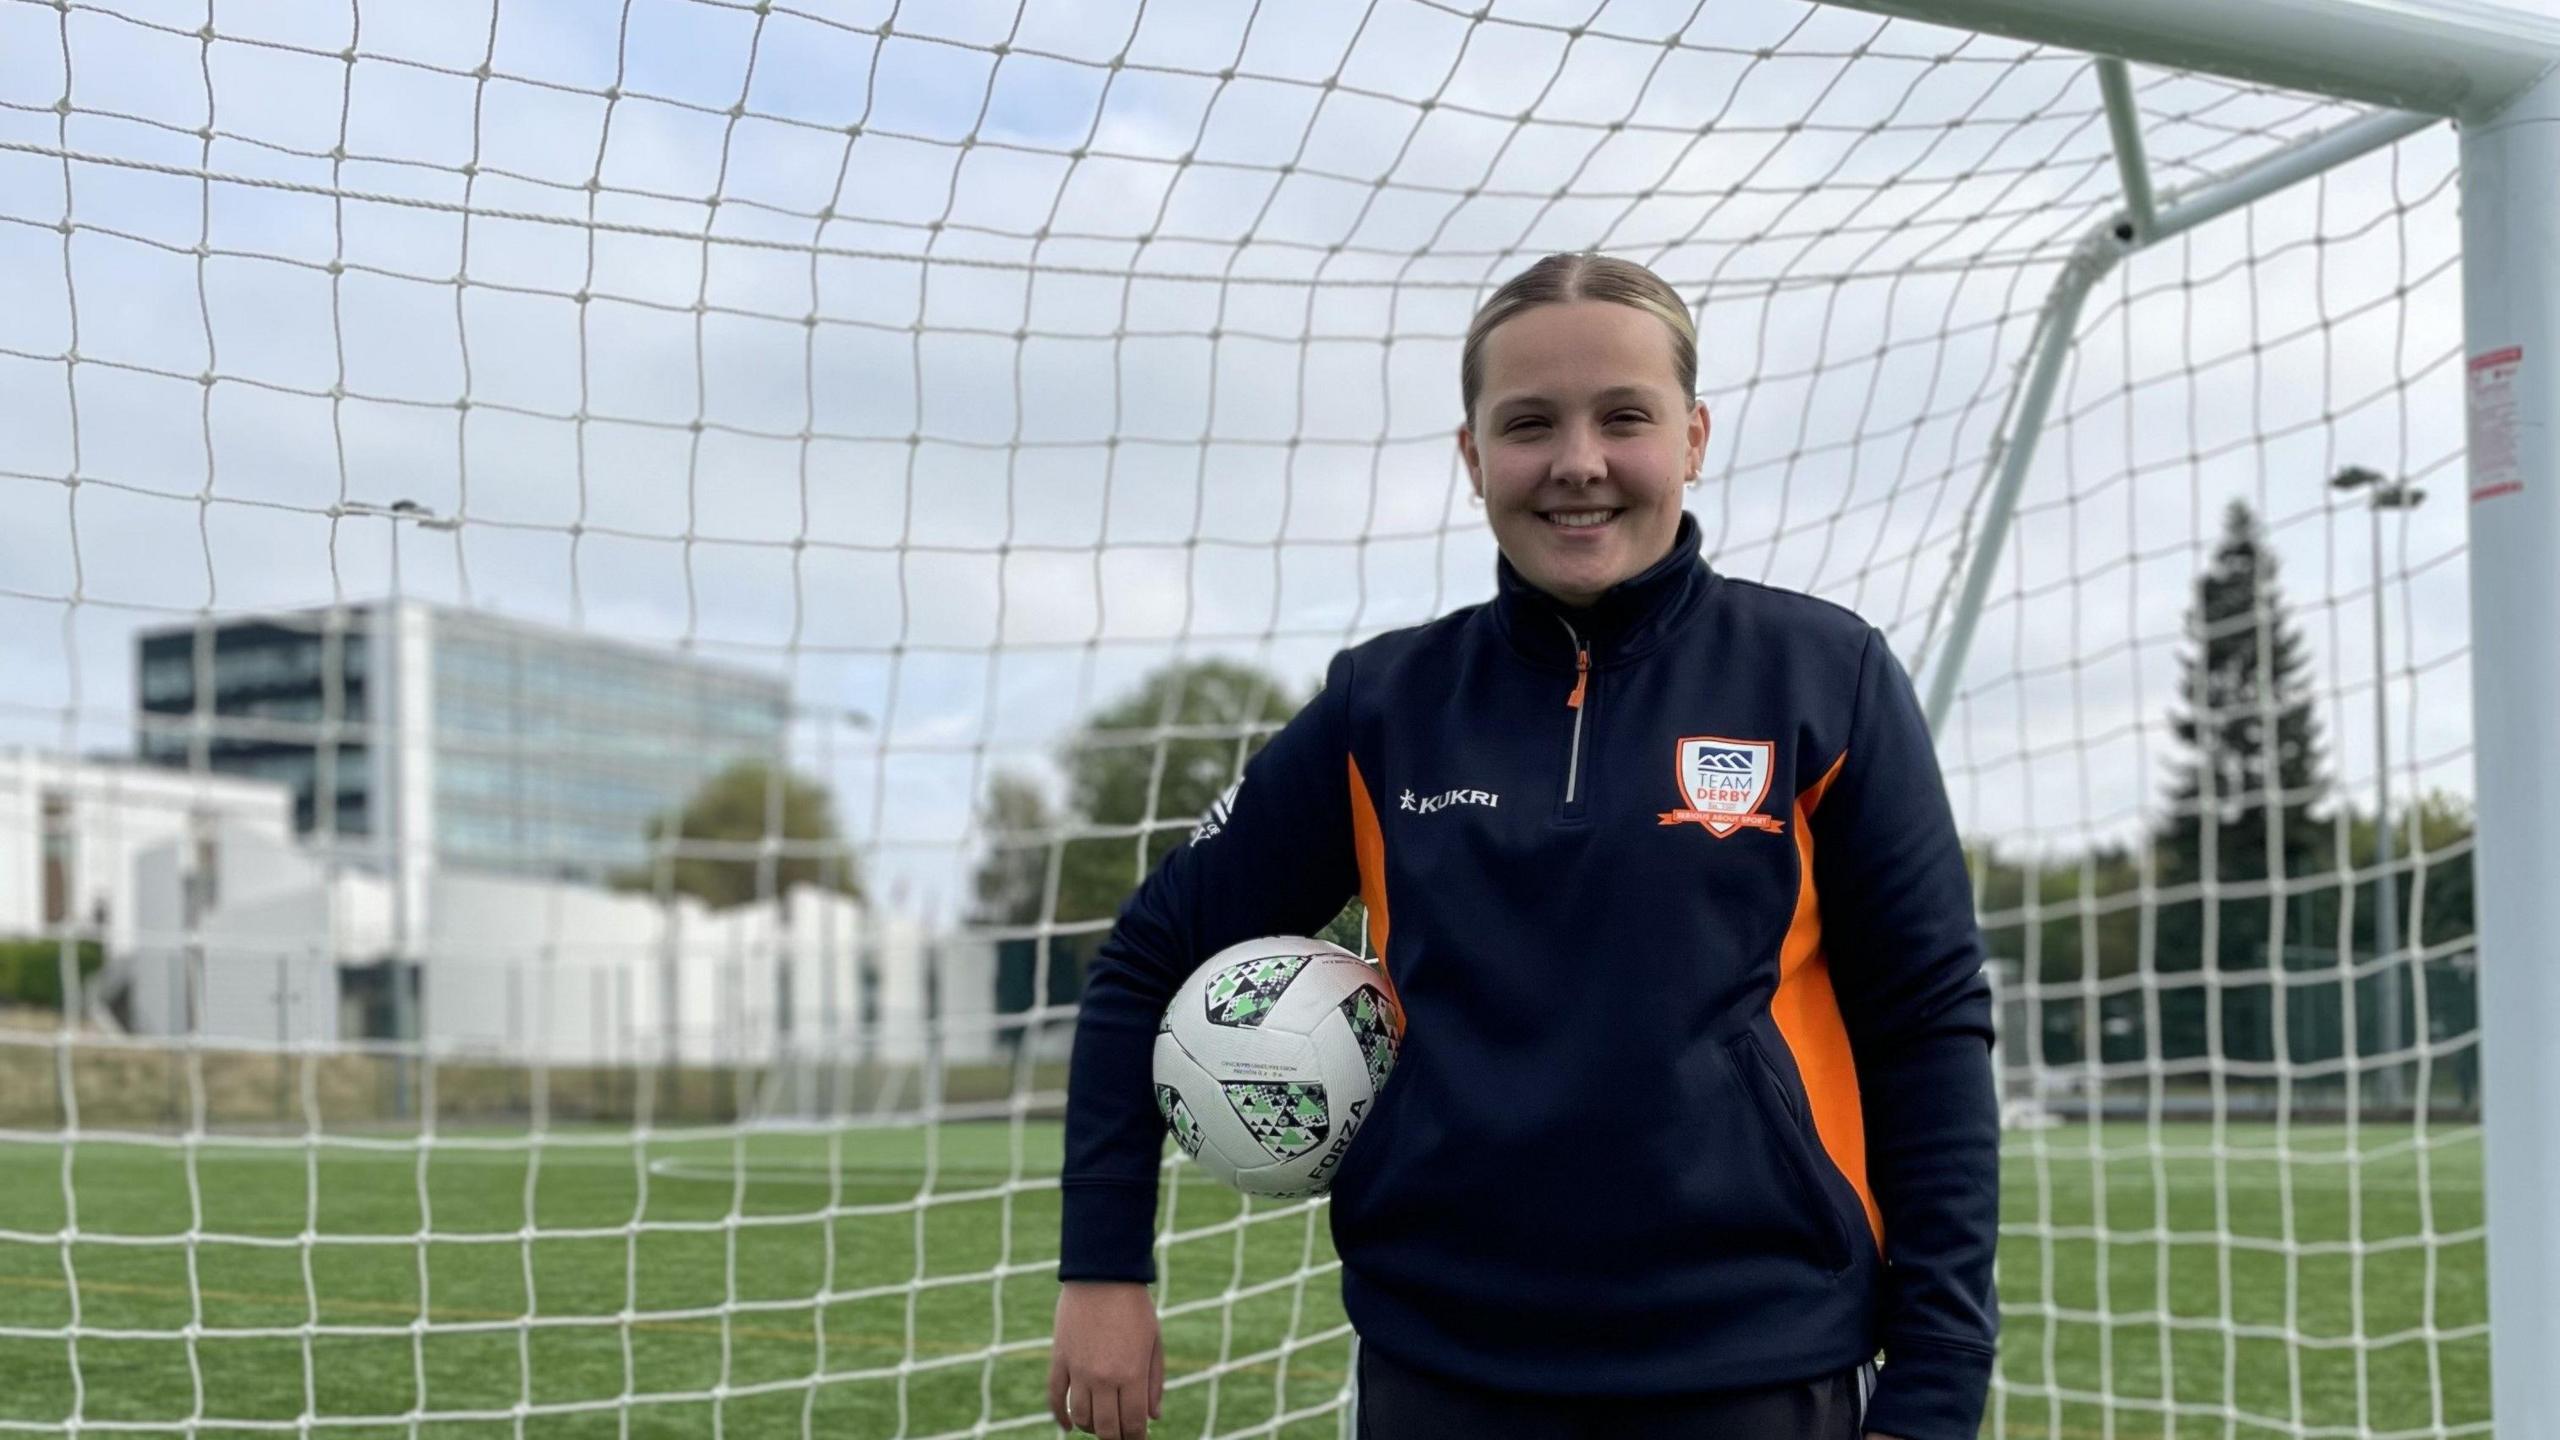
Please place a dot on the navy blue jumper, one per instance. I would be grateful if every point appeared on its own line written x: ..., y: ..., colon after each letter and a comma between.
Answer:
x: 1695, y: 1090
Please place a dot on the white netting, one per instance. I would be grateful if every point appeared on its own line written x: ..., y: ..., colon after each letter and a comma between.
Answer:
x: 435, y: 439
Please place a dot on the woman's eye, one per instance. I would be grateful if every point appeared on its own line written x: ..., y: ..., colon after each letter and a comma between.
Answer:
x: 1523, y: 423
x: 1624, y: 416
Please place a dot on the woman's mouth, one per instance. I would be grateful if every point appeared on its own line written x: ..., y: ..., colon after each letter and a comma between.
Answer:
x: 1580, y: 520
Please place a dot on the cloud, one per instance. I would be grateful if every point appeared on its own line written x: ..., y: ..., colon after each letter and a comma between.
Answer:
x: 1155, y: 413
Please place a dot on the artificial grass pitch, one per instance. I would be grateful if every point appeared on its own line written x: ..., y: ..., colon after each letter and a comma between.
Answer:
x: 901, y: 1282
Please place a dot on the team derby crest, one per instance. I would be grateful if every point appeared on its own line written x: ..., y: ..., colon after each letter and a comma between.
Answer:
x: 1725, y: 781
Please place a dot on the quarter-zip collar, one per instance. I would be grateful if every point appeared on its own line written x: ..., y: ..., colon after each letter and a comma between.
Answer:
x: 1630, y: 618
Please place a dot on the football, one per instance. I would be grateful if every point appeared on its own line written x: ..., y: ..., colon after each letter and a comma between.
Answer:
x: 1270, y: 1057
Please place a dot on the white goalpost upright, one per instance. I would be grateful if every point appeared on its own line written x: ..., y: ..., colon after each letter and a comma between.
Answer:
x: 2495, y: 72
x: 600, y: 599
x: 2511, y: 245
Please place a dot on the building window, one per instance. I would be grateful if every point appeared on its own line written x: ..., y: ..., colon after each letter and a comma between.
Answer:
x: 60, y: 859
x: 204, y: 882
x: 167, y: 679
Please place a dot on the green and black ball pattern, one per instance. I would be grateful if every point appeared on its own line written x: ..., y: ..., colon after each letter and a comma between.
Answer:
x: 1288, y: 1118
x: 1242, y: 994
x: 1186, y: 1129
x: 1373, y: 1021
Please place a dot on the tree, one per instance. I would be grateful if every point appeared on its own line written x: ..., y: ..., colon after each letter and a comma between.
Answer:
x: 719, y: 830
x: 2088, y: 920
x: 2432, y: 839
x: 31, y: 971
x: 1011, y: 886
x: 2085, y: 924
x: 2241, y: 800
x: 1140, y: 772
x: 2438, y: 984
x: 1146, y: 767
x: 1010, y: 893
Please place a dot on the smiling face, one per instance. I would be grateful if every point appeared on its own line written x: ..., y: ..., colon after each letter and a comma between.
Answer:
x: 1580, y: 443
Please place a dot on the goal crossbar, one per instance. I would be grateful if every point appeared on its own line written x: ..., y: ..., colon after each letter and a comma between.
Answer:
x: 2438, y: 57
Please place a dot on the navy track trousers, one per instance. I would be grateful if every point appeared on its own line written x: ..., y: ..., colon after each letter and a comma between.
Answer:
x: 1391, y: 1400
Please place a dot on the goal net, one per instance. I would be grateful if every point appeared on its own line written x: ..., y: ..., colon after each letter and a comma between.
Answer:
x: 603, y: 597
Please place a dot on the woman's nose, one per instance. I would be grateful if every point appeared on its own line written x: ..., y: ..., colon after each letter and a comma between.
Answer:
x: 1578, y: 455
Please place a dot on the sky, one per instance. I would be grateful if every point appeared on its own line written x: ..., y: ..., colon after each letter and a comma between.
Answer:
x: 964, y: 373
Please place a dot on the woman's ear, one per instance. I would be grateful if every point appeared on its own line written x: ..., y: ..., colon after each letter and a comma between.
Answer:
x: 1467, y: 452
x: 1699, y: 427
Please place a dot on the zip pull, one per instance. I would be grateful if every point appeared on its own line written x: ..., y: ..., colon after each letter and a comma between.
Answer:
x: 1581, y: 676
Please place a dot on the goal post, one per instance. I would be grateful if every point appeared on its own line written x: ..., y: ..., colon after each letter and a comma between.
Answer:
x: 2495, y: 71
x: 2511, y: 248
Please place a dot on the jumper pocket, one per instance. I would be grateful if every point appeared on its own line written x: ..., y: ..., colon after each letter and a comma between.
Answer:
x: 1793, y: 1139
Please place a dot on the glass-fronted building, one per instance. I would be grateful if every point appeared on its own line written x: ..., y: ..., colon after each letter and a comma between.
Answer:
x: 514, y: 747
x: 292, y: 699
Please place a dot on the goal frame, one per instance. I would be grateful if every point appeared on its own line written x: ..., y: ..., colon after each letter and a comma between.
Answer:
x: 2495, y: 73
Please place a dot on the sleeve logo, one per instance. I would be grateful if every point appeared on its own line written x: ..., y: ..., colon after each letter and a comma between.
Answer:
x: 1220, y: 810
x: 1724, y: 782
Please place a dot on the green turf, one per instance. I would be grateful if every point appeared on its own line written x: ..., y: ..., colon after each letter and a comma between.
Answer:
x: 731, y: 1251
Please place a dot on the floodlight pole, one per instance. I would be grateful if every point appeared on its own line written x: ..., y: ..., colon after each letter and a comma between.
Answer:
x: 407, y: 1035
x: 2386, y: 887
x: 2380, y: 495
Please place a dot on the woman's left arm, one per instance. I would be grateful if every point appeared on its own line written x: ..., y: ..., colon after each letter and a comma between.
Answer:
x: 1906, y: 965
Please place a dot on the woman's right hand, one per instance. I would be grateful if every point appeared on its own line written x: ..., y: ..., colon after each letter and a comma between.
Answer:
x: 1106, y: 1360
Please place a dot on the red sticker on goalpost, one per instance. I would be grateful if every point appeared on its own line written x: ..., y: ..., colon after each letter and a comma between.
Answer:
x: 2497, y: 460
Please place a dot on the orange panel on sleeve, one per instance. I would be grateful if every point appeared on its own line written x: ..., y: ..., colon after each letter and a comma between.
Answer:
x: 1807, y: 1012
x: 1370, y: 844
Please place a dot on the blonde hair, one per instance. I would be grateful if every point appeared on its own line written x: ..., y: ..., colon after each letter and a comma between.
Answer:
x: 1580, y: 275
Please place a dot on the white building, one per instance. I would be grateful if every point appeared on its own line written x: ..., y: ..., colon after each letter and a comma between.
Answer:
x: 71, y: 832
x: 240, y: 875
x: 279, y: 950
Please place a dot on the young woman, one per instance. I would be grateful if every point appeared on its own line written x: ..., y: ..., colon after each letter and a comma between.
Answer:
x: 1694, y: 1112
